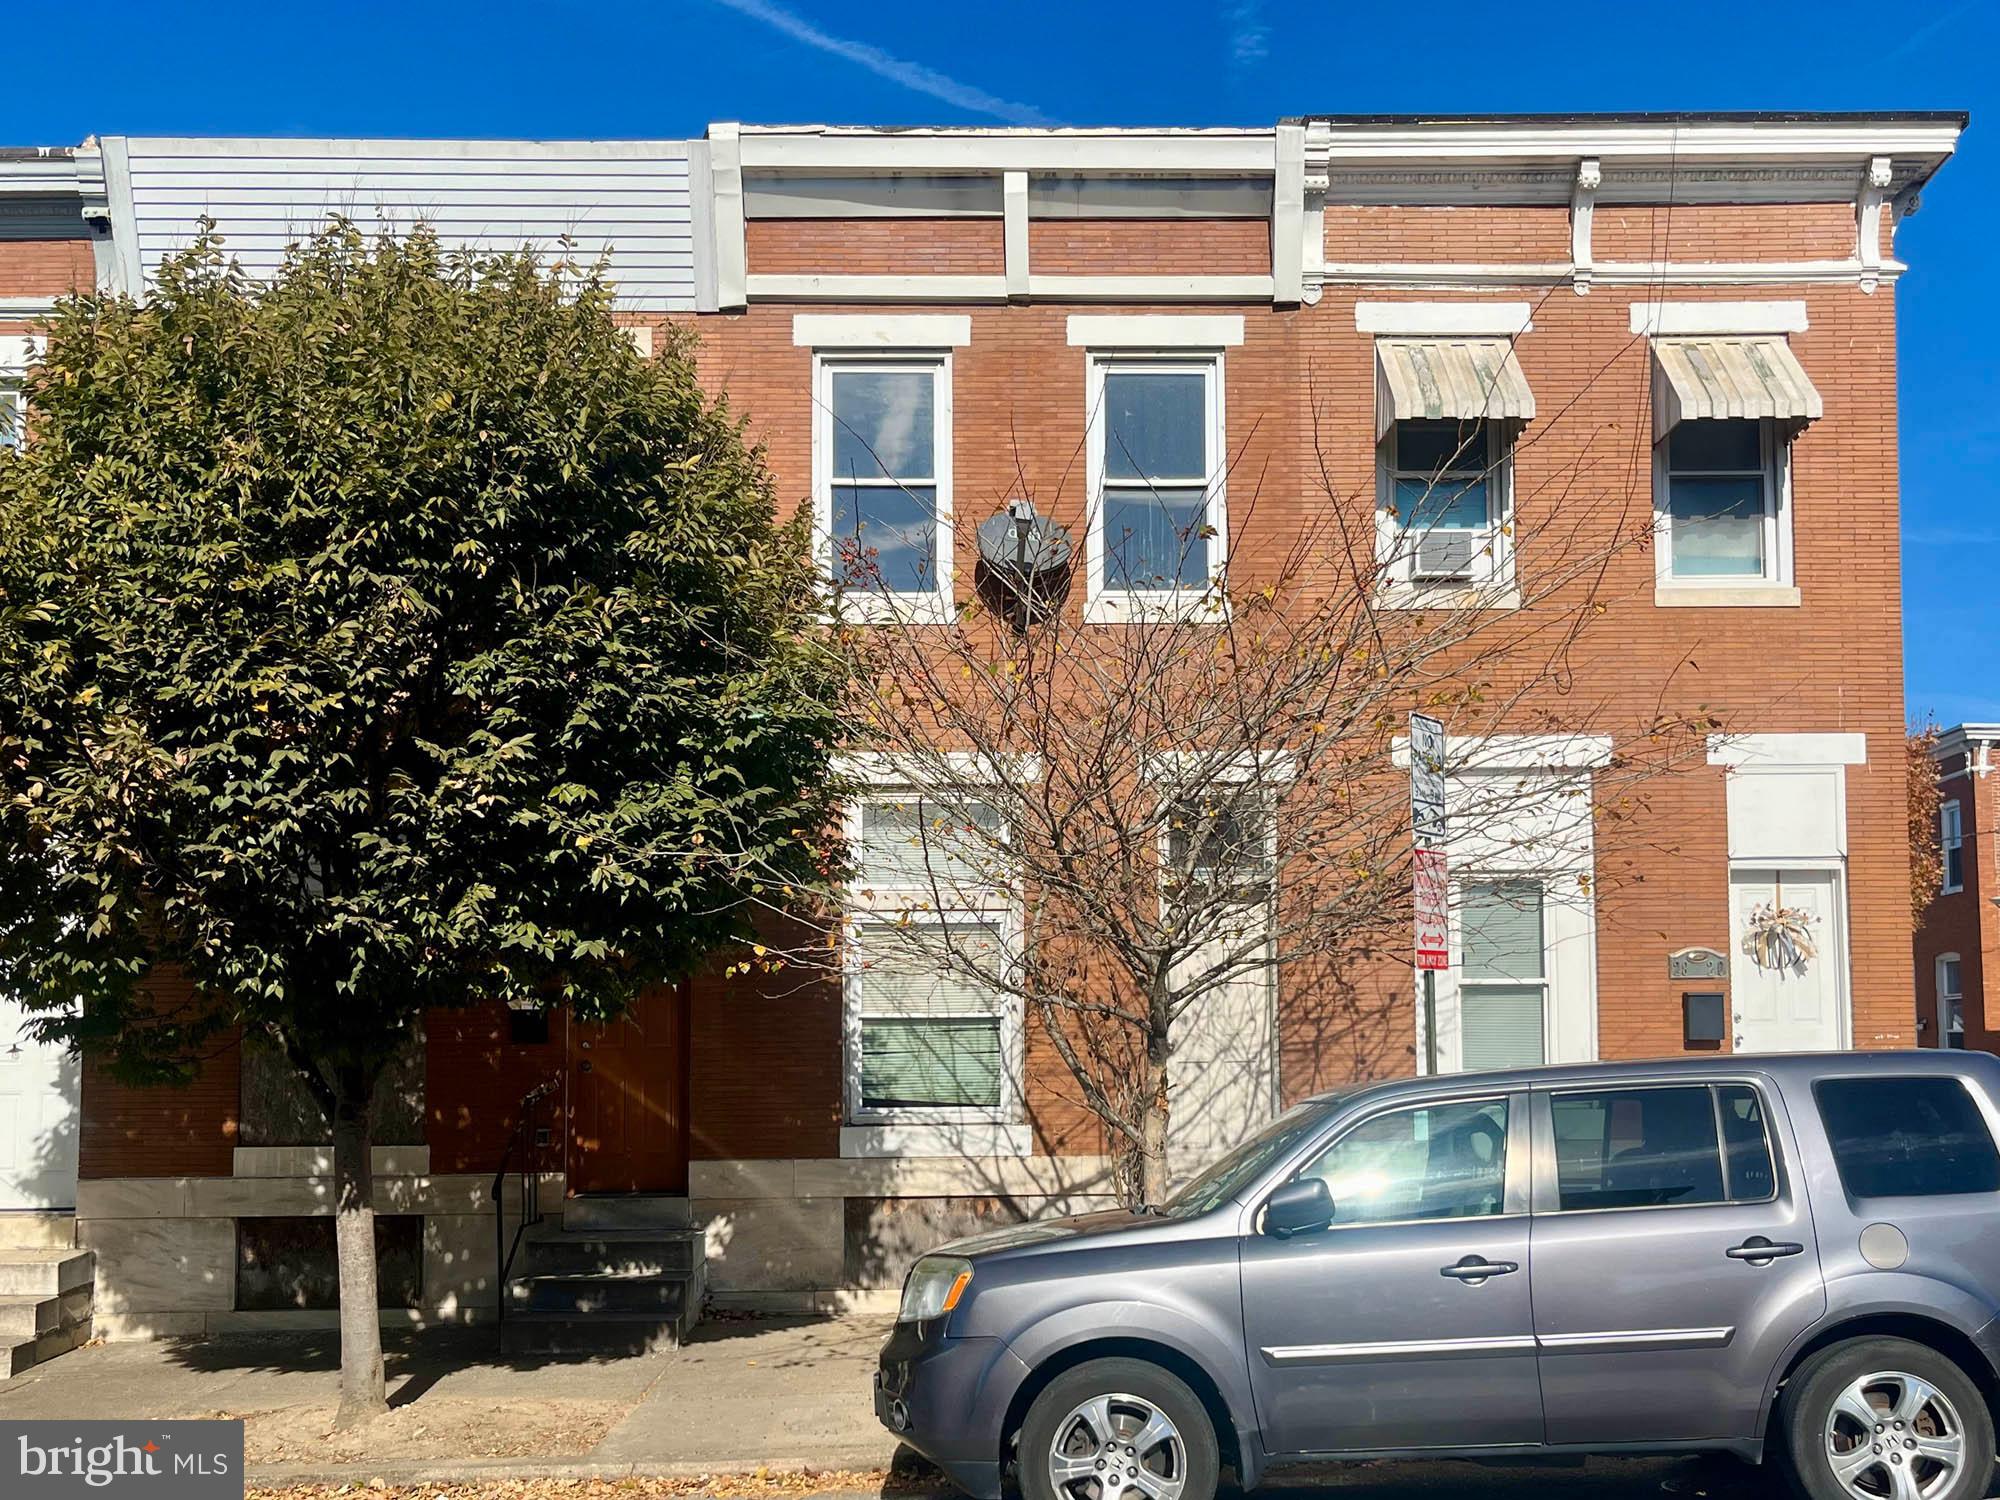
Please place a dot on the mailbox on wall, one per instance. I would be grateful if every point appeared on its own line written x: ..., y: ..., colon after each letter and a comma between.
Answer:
x: 1702, y: 1015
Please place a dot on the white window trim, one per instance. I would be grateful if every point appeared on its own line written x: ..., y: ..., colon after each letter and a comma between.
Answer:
x: 1771, y: 587
x: 1951, y: 811
x: 1105, y: 606
x: 1492, y: 581
x: 926, y: 1131
x: 1692, y: 319
x: 1154, y: 331
x: 1516, y: 842
x: 918, y: 331
x: 13, y: 413
x: 933, y: 605
x: 1944, y: 995
x: 1464, y: 319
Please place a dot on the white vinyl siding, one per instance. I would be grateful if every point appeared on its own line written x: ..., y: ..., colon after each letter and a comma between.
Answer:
x: 627, y: 201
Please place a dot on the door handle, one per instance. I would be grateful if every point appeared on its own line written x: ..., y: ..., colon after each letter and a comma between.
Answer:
x: 1761, y: 1252
x: 1473, y: 1269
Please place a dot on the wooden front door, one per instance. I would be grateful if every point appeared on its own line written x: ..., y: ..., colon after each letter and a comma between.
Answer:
x: 628, y: 1099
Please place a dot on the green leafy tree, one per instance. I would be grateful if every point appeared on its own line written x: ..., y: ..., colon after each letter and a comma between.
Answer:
x: 390, y: 636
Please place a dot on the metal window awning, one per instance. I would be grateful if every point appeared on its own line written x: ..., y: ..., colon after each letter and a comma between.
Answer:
x: 1718, y: 379
x: 1438, y: 379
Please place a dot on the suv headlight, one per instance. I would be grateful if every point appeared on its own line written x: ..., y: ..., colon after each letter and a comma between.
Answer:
x: 935, y: 1285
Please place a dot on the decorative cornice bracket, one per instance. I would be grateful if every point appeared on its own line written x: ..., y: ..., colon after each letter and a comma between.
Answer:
x: 1875, y: 182
x: 1582, y: 207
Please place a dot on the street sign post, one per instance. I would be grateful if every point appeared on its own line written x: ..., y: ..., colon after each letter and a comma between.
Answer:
x: 1430, y: 883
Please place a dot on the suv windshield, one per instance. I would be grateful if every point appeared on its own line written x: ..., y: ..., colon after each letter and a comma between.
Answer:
x: 1220, y: 1182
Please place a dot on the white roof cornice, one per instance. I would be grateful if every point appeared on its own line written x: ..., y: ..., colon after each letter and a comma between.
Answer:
x: 822, y: 148
x: 48, y: 172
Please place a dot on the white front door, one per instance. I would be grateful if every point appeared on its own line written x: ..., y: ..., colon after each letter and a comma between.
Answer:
x: 38, y: 1118
x: 1222, y: 1073
x: 1787, y: 960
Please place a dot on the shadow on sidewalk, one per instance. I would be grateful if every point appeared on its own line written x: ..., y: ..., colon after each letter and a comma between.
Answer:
x: 417, y: 1357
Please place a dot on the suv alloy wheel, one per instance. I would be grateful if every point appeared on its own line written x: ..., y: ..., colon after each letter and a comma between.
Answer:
x: 1886, y: 1419
x: 1118, y: 1429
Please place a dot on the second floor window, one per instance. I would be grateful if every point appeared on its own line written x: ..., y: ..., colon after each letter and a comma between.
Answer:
x: 1951, y: 845
x: 13, y: 417
x: 1720, y: 509
x: 1444, y: 495
x: 882, y: 480
x: 1157, y: 529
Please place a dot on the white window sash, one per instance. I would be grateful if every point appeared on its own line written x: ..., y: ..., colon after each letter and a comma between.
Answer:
x: 1493, y: 548
x: 1950, y: 978
x: 874, y: 902
x: 13, y: 416
x: 1471, y: 989
x: 1951, y: 839
x: 1105, y: 602
x: 1775, y: 474
x: 934, y: 603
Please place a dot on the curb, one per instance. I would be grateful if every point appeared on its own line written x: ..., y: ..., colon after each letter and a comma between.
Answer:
x: 471, y: 1471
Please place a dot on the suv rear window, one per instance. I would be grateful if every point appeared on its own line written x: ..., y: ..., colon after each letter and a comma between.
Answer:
x: 1672, y: 1146
x: 1907, y: 1137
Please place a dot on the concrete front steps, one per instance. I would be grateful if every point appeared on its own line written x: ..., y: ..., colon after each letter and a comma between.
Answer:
x: 618, y: 1274
x: 45, y: 1289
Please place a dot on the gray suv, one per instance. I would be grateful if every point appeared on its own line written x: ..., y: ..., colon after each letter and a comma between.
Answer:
x: 1786, y: 1257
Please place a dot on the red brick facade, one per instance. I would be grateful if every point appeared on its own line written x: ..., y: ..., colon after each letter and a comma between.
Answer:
x: 1965, y: 923
x: 767, y: 1069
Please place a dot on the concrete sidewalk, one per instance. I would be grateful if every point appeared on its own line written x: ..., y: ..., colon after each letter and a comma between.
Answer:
x: 745, y: 1395
x: 783, y: 1393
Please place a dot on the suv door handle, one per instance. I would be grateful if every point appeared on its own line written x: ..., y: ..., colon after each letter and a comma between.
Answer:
x: 1761, y: 1252
x: 1473, y: 1269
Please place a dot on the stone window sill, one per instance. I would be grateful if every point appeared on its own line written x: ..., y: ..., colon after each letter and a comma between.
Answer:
x: 969, y: 1138
x: 1726, y: 596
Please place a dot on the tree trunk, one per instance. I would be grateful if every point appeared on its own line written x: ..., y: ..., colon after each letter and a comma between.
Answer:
x: 1153, y: 1134
x: 363, y: 1393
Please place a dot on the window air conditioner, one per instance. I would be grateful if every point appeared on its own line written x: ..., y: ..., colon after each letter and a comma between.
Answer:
x: 1444, y: 555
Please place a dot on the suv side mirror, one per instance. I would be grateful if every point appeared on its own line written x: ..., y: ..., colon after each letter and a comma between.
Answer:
x: 1298, y: 1207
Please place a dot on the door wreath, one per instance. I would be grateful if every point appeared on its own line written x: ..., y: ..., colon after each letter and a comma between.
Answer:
x: 1779, y: 937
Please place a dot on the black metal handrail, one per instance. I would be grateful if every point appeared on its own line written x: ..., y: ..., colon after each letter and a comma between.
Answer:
x: 523, y: 1138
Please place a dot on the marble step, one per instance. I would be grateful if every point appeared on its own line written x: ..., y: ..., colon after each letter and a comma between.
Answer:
x: 21, y: 1355
x: 594, y: 1212
x: 592, y: 1296
x: 618, y: 1252
x: 46, y: 1272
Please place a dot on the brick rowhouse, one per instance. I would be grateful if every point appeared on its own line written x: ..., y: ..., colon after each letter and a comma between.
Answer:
x: 1606, y: 256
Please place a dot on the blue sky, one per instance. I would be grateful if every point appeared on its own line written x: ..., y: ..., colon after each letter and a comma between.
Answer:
x: 666, y: 69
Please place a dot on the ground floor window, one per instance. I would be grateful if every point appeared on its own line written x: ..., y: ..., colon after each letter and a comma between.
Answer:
x: 1503, y: 983
x: 932, y: 1028
x: 930, y: 1033
x: 1950, y: 1001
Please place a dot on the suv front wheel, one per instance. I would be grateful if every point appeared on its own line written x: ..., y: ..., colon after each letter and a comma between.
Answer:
x: 1117, y: 1429
x: 1886, y: 1419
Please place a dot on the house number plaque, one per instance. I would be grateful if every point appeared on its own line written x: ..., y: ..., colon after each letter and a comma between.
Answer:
x: 1697, y: 963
